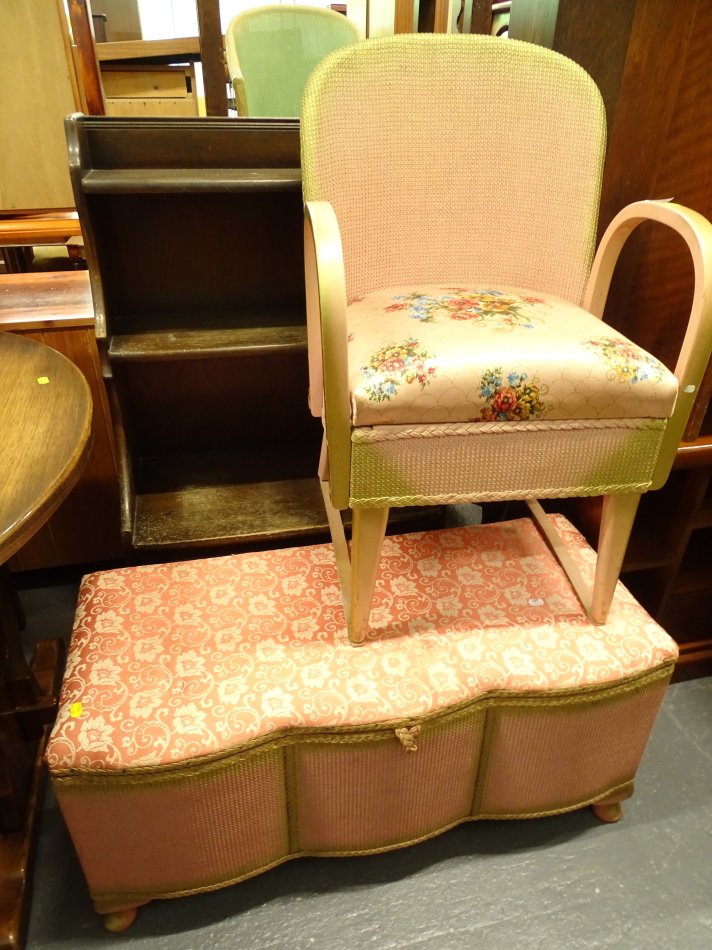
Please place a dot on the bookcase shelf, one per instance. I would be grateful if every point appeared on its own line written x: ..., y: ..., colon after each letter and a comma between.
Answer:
x: 133, y: 181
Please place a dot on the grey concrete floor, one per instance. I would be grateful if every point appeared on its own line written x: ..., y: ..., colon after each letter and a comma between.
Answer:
x: 560, y: 883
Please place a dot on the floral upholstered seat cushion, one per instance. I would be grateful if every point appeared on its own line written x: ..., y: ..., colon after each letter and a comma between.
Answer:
x: 175, y: 661
x: 434, y: 354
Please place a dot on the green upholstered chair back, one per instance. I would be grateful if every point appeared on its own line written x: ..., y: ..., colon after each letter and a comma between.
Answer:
x: 272, y: 50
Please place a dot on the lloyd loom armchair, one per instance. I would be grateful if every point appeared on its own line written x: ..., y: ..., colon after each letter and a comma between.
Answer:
x: 457, y: 351
x: 271, y: 50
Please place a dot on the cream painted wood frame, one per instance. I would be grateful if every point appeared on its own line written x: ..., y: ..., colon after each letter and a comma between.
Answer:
x: 329, y: 398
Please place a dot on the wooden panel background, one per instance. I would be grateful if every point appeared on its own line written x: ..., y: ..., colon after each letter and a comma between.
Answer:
x: 650, y: 59
x: 36, y: 83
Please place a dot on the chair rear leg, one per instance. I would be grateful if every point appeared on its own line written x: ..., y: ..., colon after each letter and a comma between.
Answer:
x: 616, y: 523
x: 369, y: 528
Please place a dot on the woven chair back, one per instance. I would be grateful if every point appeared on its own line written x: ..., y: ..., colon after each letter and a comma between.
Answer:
x: 464, y: 159
x: 276, y: 47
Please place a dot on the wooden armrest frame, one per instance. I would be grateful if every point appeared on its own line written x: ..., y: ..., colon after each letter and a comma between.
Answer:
x: 327, y: 340
x: 694, y: 355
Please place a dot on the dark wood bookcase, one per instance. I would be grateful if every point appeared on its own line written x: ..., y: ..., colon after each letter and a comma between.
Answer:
x: 193, y: 229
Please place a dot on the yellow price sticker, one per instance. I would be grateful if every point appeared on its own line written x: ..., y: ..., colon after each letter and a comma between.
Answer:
x: 76, y: 709
x: 42, y: 380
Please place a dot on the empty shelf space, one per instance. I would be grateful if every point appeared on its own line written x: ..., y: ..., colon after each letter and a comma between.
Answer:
x: 645, y: 551
x: 223, y: 498
x: 176, y: 180
x: 197, y: 336
x: 213, y: 515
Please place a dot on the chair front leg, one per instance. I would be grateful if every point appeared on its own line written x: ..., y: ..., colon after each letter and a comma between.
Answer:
x: 616, y: 524
x: 368, y: 531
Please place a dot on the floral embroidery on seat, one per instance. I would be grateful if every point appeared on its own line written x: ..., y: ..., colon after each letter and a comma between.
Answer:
x: 626, y: 362
x: 493, y: 308
x: 515, y: 401
x: 397, y: 363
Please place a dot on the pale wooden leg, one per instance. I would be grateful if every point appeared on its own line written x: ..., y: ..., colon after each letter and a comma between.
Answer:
x: 119, y: 920
x: 616, y: 523
x: 116, y: 917
x: 608, y: 813
x: 341, y: 549
x: 369, y: 528
x: 610, y: 808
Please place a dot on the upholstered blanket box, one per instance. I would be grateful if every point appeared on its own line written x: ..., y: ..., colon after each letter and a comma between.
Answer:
x: 215, y: 721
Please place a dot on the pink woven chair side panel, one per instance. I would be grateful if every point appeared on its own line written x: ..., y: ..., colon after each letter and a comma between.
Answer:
x: 170, y: 834
x: 451, y: 158
x: 539, y: 759
x: 366, y: 795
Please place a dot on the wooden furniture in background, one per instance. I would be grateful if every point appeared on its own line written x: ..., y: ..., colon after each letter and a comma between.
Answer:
x: 20, y: 233
x: 186, y: 49
x: 56, y: 309
x: 650, y: 61
x: 147, y: 85
x: 38, y: 90
x: 45, y: 428
x: 141, y: 77
x: 212, y: 56
x: 149, y: 90
x: 86, y: 59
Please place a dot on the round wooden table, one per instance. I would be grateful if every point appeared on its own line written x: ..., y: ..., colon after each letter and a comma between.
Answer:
x: 45, y: 428
x: 45, y: 437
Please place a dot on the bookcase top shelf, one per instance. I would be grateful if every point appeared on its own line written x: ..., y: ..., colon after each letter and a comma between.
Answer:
x: 190, y: 180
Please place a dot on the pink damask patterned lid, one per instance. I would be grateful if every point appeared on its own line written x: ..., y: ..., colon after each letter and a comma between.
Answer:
x: 176, y: 661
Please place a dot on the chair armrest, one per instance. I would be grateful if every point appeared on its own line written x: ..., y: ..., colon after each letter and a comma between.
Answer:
x: 695, y: 353
x: 327, y: 339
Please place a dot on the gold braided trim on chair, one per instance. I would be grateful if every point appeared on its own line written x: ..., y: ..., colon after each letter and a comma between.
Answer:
x: 391, y: 469
x: 390, y: 433
x: 413, y: 501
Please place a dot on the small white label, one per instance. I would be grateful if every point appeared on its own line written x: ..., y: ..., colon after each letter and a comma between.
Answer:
x: 536, y: 602
x: 690, y: 389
